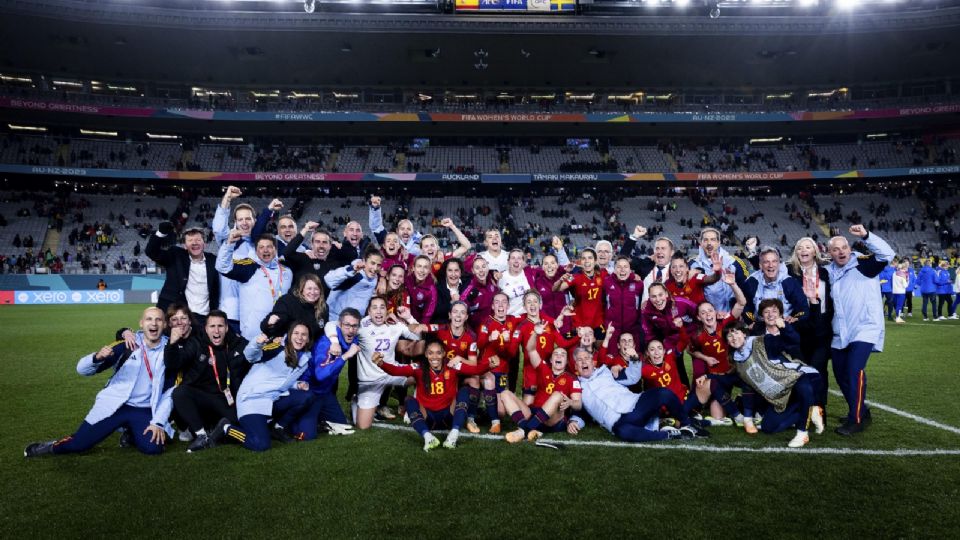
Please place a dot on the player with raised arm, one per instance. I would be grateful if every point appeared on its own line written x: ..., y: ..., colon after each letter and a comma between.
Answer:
x: 586, y: 288
x: 438, y: 404
x: 498, y: 336
x: 376, y: 335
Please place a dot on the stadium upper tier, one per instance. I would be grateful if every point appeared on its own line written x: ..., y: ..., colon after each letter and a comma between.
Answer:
x: 914, y: 217
x: 420, y: 156
x: 132, y: 99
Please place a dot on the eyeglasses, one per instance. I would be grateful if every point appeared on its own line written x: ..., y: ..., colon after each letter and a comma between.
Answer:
x: 349, y: 325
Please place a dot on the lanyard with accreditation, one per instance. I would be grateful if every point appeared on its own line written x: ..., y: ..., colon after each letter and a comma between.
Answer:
x: 273, y: 292
x: 216, y: 375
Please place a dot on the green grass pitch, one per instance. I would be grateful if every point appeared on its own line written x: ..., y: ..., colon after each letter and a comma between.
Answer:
x: 380, y: 483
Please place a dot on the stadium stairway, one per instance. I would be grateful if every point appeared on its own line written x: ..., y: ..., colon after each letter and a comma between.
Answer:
x: 401, y: 163
x: 51, y: 241
x: 817, y: 218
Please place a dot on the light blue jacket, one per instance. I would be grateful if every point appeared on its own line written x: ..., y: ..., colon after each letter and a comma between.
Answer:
x: 606, y: 398
x: 375, y: 221
x: 229, y: 288
x: 120, y: 386
x: 720, y: 294
x: 855, y: 290
x: 269, y: 379
x: 349, y: 289
x: 258, y: 291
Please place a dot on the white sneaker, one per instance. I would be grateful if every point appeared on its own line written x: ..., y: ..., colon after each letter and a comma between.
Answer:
x: 926, y: 319
x: 385, y: 412
x: 430, y: 442
x: 816, y: 418
x: 711, y: 421
x: 451, y: 440
x: 799, y: 440
x: 406, y: 419
x: 899, y: 320
x: 184, y: 435
x: 334, y: 428
x: 940, y: 318
x: 953, y: 317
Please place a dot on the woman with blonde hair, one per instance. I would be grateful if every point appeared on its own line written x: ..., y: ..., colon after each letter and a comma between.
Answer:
x: 809, y: 266
x: 901, y: 279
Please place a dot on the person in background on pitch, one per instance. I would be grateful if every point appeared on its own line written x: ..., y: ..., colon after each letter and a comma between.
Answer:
x: 858, y: 326
x: 927, y: 282
x: 136, y: 397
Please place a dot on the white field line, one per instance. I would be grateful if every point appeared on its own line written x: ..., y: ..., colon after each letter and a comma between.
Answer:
x: 905, y: 414
x: 809, y: 450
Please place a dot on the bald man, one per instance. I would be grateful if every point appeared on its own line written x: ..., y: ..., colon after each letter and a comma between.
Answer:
x: 858, y: 325
x: 137, y: 397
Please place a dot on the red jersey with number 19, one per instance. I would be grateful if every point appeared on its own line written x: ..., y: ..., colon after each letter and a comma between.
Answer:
x: 664, y: 376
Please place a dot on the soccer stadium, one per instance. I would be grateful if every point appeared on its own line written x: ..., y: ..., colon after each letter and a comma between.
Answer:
x: 479, y: 268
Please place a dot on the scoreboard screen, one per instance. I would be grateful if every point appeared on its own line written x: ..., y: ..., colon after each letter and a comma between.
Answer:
x: 515, y: 6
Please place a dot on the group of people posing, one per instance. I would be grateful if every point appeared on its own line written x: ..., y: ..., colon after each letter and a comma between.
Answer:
x: 247, y: 345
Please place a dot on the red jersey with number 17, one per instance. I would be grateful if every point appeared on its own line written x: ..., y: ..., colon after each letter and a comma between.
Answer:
x: 714, y: 346
x: 587, y: 293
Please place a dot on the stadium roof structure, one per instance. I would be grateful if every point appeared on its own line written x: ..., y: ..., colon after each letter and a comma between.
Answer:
x: 131, y: 41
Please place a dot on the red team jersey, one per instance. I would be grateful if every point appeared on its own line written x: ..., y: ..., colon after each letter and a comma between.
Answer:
x: 587, y: 293
x: 504, y: 347
x: 548, y: 383
x: 664, y: 376
x: 714, y: 346
x: 691, y: 290
x: 464, y: 346
x: 443, y: 384
x: 550, y: 339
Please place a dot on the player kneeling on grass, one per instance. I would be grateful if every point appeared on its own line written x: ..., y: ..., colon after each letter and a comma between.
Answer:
x: 788, y: 385
x: 633, y: 417
x: 438, y: 404
x: 558, y: 391
x: 271, y: 389
x: 660, y: 371
x: 136, y: 397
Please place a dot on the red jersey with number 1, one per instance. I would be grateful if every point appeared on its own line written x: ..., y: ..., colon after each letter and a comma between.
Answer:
x: 505, y: 346
x: 714, y: 346
x: 587, y: 293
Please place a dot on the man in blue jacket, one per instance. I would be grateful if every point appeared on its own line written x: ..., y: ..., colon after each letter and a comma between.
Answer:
x: 886, y: 289
x: 944, y: 290
x: 322, y: 376
x: 927, y: 281
x: 773, y: 281
x: 858, y: 325
x: 137, y: 396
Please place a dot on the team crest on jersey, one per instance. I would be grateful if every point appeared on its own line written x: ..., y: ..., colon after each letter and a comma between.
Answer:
x: 666, y: 367
x: 562, y: 380
x: 367, y: 323
x: 633, y: 287
x: 419, y: 296
x: 446, y: 374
